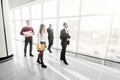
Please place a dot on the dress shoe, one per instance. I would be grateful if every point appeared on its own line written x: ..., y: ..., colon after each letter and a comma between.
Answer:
x: 66, y: 63
x: 43, y: 66
x: 50, y: 51
x: 24, y: 55
x: 38, y: 62
x: 31, y: 55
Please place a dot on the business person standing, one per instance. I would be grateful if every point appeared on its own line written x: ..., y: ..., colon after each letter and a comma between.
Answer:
x: 27, y: 32
x: 50, y: 37
x: 41, y: 40
x: 65, y: 40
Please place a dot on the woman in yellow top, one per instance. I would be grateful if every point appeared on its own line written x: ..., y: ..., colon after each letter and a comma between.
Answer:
x: 41, y: 40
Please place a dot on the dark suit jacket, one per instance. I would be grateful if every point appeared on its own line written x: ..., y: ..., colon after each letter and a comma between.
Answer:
x: 50, y: 34
x: 64, y: 36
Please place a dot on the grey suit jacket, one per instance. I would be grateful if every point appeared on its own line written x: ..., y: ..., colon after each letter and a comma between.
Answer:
x: 50, y: 34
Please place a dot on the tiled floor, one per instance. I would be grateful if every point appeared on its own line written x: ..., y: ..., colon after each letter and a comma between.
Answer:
x: 21, y: 68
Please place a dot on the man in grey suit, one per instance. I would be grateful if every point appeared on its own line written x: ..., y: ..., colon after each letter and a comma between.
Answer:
x: 50, y: 37
x: 65, y: 40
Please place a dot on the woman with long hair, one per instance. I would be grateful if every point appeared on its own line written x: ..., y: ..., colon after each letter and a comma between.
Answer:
x: 41, y: 40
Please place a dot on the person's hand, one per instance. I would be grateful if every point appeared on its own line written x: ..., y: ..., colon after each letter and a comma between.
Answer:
x: 28, y: 33
x: 39, y: 46
x: 68, y: 39
x: 31, y: 33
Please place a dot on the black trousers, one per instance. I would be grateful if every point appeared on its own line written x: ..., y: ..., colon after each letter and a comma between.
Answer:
x: 50, y: 43
x: 63, y: 52
x: 28, y: 41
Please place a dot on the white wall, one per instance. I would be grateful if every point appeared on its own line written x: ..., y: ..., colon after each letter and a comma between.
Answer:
x: 2, y: 38
x: 5, y: 30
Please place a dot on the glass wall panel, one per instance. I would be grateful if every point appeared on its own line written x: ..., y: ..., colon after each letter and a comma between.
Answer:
x: 54, y: 26
x: 18, y: 28
x: 69, y: 7
x: 26, y: 13
x: 36, y: 11
x: 116, y: 6
x: 73, y: 27
x: 93, y: 36
x: 13, y: 36
x: 23, y: 23
x: 12, y: 29
x: 114, y: 44
x: 50, y: 8
x: 17, y: 14
x: 95, y: 24
x: 11, y: 15
x: 36, y: 26
x: 96, y: 6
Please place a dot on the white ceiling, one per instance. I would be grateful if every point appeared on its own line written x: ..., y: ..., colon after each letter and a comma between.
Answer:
x: 14, y: 3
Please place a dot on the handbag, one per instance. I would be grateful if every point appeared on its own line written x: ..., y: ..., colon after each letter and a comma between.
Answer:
x: 41, y: 48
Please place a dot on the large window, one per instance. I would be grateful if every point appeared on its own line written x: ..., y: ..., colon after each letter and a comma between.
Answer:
x: 36, y: 27
x: 11, y: 15
x: 115, y: 6
x: 50, y: 8
x: 72, y: 27
x: 17, y: 13
x: 93, y: 35
x: 114, y: 43
x: 36, y: 11
x: 18, y: 28
x: 25, y: 13
x: 54, y: 26
x: 13, y: 30
x: 69, y: 7
x: 96, y: 6
x: 93, y: 24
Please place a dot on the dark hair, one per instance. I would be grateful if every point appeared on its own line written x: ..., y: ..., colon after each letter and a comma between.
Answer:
x: 64, y: 23
x: 41, y: 28
x: 27, y: 21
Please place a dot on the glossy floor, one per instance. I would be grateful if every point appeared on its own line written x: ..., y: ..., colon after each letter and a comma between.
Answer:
x: 26, y: 68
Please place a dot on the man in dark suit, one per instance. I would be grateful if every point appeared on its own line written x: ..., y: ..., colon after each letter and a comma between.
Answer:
x: 65, y: 37
x: 50, y: 37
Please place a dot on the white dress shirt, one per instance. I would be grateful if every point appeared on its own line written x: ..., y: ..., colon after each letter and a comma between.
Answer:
x: 41, y: 38
x: 66, y: 30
